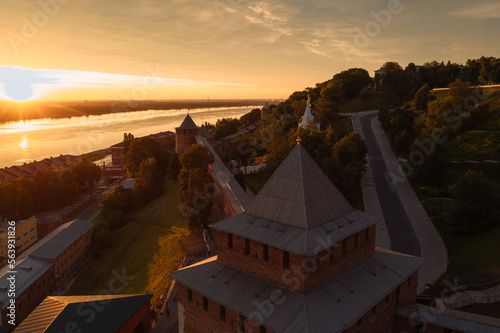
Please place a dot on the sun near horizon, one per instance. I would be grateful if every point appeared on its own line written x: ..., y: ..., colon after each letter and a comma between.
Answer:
x: 139, y: 50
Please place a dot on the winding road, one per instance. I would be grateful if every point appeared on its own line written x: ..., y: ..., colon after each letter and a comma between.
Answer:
x: 404, y: 225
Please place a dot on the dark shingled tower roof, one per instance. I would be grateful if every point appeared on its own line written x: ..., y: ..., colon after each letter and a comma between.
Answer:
x: 298, y: 197
x: 188, y: 123
x: 299, y: 194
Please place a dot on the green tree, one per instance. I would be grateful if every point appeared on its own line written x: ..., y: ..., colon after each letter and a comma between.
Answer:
x: 195, y: 157
x: 141, y: 150
x: 174, y: 166
x: 115, y: 206
x: 440, y: 116
x: 434, y: 167
x: 423, y: 97
x: 278, y: 146
x: 347, y: 164
x: 475, y: 204
x: 148, y: 181
x: 194, y: 189
x: 395, y: 84
x: 459, y: 91
x: 85, y: 173
x: 127, y: 141
x: 226, y: 126
x: 7, y: 203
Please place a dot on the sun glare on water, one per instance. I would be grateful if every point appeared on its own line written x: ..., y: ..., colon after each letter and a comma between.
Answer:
x: 24, y: 144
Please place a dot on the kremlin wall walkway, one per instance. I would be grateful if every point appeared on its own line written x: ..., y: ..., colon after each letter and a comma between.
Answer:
x: 404, y: 226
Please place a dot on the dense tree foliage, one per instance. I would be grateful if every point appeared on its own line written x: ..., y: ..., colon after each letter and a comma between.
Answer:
x: 174, y: 166
x: 475, y: 204
x: 148, y: 181
x: 227, y: 126
x: 115, y: 206
x: 127, y: 141
x: 52, y: 189
x: 423, y: 97
x: 142, y: 149
x: 194, y: 185
x: 459, y: 91
x: 346, y: 165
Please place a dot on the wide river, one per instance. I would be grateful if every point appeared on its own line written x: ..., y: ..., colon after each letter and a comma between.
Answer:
x: 25, y: 141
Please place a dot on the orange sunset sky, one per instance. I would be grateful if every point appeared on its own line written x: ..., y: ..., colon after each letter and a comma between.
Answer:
x: 152, y: 49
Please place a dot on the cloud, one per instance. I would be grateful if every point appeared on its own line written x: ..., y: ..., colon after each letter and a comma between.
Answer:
x: 21, y: 83
x: 479, y: 11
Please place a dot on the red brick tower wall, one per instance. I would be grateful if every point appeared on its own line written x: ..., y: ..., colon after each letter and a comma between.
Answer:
x: 303, y: 273
x: 184, y: 138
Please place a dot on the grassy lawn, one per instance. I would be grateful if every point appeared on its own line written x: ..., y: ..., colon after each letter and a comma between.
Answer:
x: 491, y: 310
x: 147, y: 248
x: 477, y: 144
x: 357, y: 105
x: 93, y: 216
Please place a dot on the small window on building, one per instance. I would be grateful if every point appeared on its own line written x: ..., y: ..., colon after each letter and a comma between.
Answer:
x: 242, y: 324
x: 318, y: 260
x: 262, y: 329
x: 367, y: 235
x: 356, y: 236
x: 409, y: 281
x: 247, y: 246
x: 344, y: 245
x: 230, y: 241
x: 420, y: 328
x: 205, y: 303
x: 387, y: 299
x: 190, y: 295
x: 397, y: 291
x: 331, y: 254
x: 222, y: 313
x: 360, y: 322
x: 286, y: 259
x: 265, y: 252
x: 374, y: 310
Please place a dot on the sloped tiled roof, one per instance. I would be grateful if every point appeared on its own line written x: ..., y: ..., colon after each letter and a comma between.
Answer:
x: 265, y: 107
x: 293, y: 239
x: 52, y: 245
x: 204, y: 132
x: 28, y: 271
x: 55, y: 312
x: 299, y: 194
x: 188, y: 123
x: 333, y: 306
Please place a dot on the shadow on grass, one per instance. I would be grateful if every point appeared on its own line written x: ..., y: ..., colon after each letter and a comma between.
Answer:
x: 146, y: 249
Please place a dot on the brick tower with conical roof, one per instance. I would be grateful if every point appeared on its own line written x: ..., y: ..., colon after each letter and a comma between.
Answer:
x: 185, y: 134
x: 300, y: 258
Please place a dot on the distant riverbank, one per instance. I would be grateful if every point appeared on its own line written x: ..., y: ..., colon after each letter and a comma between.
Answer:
x: 26, y: 141
x: 13, y: 111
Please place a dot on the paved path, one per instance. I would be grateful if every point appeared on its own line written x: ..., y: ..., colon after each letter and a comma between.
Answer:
x: 370, y: 197
x: 409, y: 228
